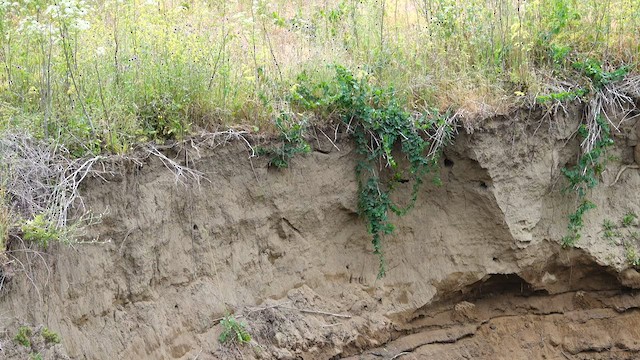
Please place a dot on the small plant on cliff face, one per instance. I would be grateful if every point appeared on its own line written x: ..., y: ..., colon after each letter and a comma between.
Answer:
x: 23, y: 336
x: 629, y: 219
x: 626, y: 235
x: 49, y: 336
x: 632, y: 255
x: 584, y: 176
x: 292, y: 142
x: 40, y: 231
x: 596, y: 138
x: 233, y: 330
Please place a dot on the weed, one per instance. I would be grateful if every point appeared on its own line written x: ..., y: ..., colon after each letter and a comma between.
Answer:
x: 632, y: 255
x: 608, y: 225
x: 562, y: 96
x: 599, y: 78
x: 584, y: 175
x: 40, y: 231
x: 49, y: 336
x: 609, y: 228
x: 628, y: 219
x: 576, y: 223
x: 628, y: 238
x: 233, y: 330
x: 292, y: 142
x: 35, y: 356
x: 378, y: 125
x: 23, y: 336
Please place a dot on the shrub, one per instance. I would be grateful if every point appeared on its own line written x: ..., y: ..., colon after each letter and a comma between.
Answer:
x: 23, y: 336
x: 378, y: 124
x: 49, y: 336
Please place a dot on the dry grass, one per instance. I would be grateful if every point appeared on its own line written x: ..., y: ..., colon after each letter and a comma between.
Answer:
x: 160, y: 68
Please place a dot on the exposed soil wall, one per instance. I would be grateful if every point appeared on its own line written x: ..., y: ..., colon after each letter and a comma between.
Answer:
x: 474, y: 271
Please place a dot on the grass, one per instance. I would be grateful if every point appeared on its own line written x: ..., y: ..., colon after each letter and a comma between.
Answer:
x: 103, y: 75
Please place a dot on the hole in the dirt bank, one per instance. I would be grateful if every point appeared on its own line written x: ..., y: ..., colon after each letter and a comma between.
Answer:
x: 195, y: 227
x: 491, y: 286
x: 448, y: 163
x: 483, y: 185
x: 495, y: 259
x: 500, y: 284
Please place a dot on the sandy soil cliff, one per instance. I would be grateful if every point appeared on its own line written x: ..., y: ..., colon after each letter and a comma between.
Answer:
x: 475, y: 270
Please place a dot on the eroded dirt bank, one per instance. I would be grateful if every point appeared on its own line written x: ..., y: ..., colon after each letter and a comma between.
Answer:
x: 475, y: 270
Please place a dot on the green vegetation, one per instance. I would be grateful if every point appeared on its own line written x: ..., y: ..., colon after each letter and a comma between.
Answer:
x: 23, y: 337
x: 233, y: 330
x: 292, y: 142
x: 625, y: 235
x: 629, y: 218
x: 102, y: 75
x: 374, y: 117
x: 562, y: 96
x: 49, y: 336
x: 595, y: 136
x: 40, y: 231
x: 584, y: 176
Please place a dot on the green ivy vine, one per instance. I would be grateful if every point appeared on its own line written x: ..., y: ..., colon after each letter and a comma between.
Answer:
x: 381, y: 130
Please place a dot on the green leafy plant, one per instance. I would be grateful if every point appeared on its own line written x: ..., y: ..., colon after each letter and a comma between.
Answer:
x: 40, y: 231
x: 23, y: 336
x: 380, y: 127
x: 632, y: 255
x: 609, y: 230
x: 292, y: 142
x: 49, y: 336
x: 562, y: 96
x: 627, y: 235
x: 584, y: 176
x: 36, y: 356
x: 576, y: 223
x: 593, y: 69
x: 233, y: 330
x: 629, y: 218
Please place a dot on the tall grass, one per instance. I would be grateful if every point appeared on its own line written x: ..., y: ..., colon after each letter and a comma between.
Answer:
x: 101, y: 75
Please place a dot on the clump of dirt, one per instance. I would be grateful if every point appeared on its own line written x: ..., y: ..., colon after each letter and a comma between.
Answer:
x: 475, y: 270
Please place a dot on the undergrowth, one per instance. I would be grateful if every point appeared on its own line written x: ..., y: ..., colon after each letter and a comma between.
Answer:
x: 375, y: 118
x: 584, y: 176
x: 595, y: 136
x: 626, y: 235
x: 292, y: 142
